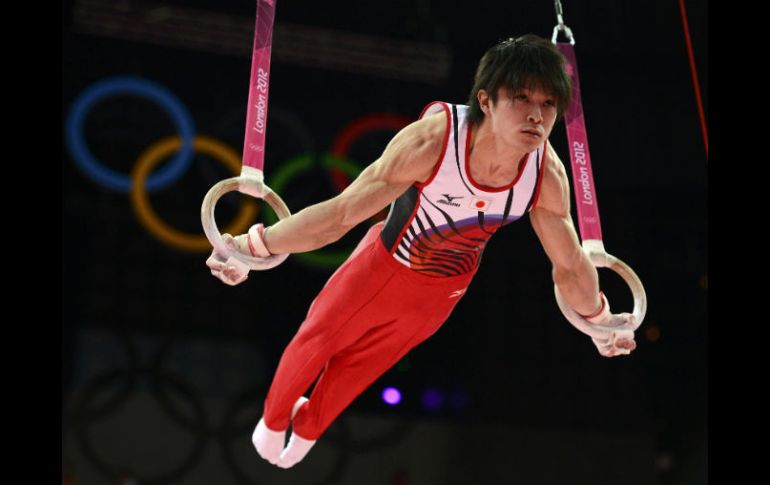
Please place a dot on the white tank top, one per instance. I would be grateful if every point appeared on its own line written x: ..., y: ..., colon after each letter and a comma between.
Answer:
x: 440, y: 227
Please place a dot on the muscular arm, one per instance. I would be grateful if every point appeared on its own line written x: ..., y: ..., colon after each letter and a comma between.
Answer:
x: 573, y: 272
x: 409, y: 157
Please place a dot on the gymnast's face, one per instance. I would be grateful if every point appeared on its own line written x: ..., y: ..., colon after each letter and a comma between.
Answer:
x: 522, y: 119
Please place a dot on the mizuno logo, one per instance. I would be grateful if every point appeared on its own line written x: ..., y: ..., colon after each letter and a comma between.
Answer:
x: 457, y: 293
x: 450, y: 200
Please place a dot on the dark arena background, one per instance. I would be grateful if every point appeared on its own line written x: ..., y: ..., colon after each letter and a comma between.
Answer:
x: 165, y: 368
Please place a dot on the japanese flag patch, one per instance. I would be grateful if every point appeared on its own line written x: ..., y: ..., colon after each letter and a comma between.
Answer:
x: 479, y: 204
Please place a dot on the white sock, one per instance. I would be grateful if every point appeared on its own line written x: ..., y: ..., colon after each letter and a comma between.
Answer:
x: 302, y: 400
x: 295, y: 451
x: 298, y: 447
x: 268, y: 443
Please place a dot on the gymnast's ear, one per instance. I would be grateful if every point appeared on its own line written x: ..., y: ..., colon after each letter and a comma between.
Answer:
x: 483, y: 98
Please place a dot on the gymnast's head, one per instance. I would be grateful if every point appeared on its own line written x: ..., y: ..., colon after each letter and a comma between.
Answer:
x: 526, y: 62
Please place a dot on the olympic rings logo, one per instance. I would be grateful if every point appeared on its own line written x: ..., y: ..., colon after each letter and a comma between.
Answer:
x: 182, y: 149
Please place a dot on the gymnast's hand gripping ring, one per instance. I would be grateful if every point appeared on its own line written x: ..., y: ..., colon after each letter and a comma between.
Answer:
x: 250, y: 182
x: 601, y: 259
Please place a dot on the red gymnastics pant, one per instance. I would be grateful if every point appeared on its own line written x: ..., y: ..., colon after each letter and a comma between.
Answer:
x: 371, y: 312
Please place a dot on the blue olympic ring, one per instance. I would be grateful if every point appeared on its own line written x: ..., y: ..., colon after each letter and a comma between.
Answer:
x: 113, y: 179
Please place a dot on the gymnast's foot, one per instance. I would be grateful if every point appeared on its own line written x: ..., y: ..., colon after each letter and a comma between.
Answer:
x: 268, y: 443
x: 298, y: 447
x: 295, y: 451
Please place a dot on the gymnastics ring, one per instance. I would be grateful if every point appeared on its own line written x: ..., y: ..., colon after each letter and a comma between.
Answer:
x: 250, y: 182
x: 141, y: 204
x: 601, y: 259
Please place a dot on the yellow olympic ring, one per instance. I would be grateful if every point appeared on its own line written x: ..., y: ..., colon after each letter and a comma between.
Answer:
x: 140, y: 202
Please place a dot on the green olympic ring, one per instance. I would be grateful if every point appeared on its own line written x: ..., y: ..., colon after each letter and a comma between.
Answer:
x: 281, y: 176
x: 338, y: 165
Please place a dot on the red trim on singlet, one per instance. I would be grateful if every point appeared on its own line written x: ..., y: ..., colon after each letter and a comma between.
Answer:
x: 437, y: 166
x: 484, y: 187
x: 540, y: 177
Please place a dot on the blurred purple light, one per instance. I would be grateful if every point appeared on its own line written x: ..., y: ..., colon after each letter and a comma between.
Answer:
x: 459, y: 400
x: 432, y: 398
x: 391, y: 395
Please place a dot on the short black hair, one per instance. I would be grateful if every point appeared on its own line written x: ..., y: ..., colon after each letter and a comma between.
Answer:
x: 526, y: 62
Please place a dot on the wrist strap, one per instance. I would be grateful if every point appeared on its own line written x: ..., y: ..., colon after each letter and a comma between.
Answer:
x: 264, y: 241
x: 601, y: 309
x: 260, y: 236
